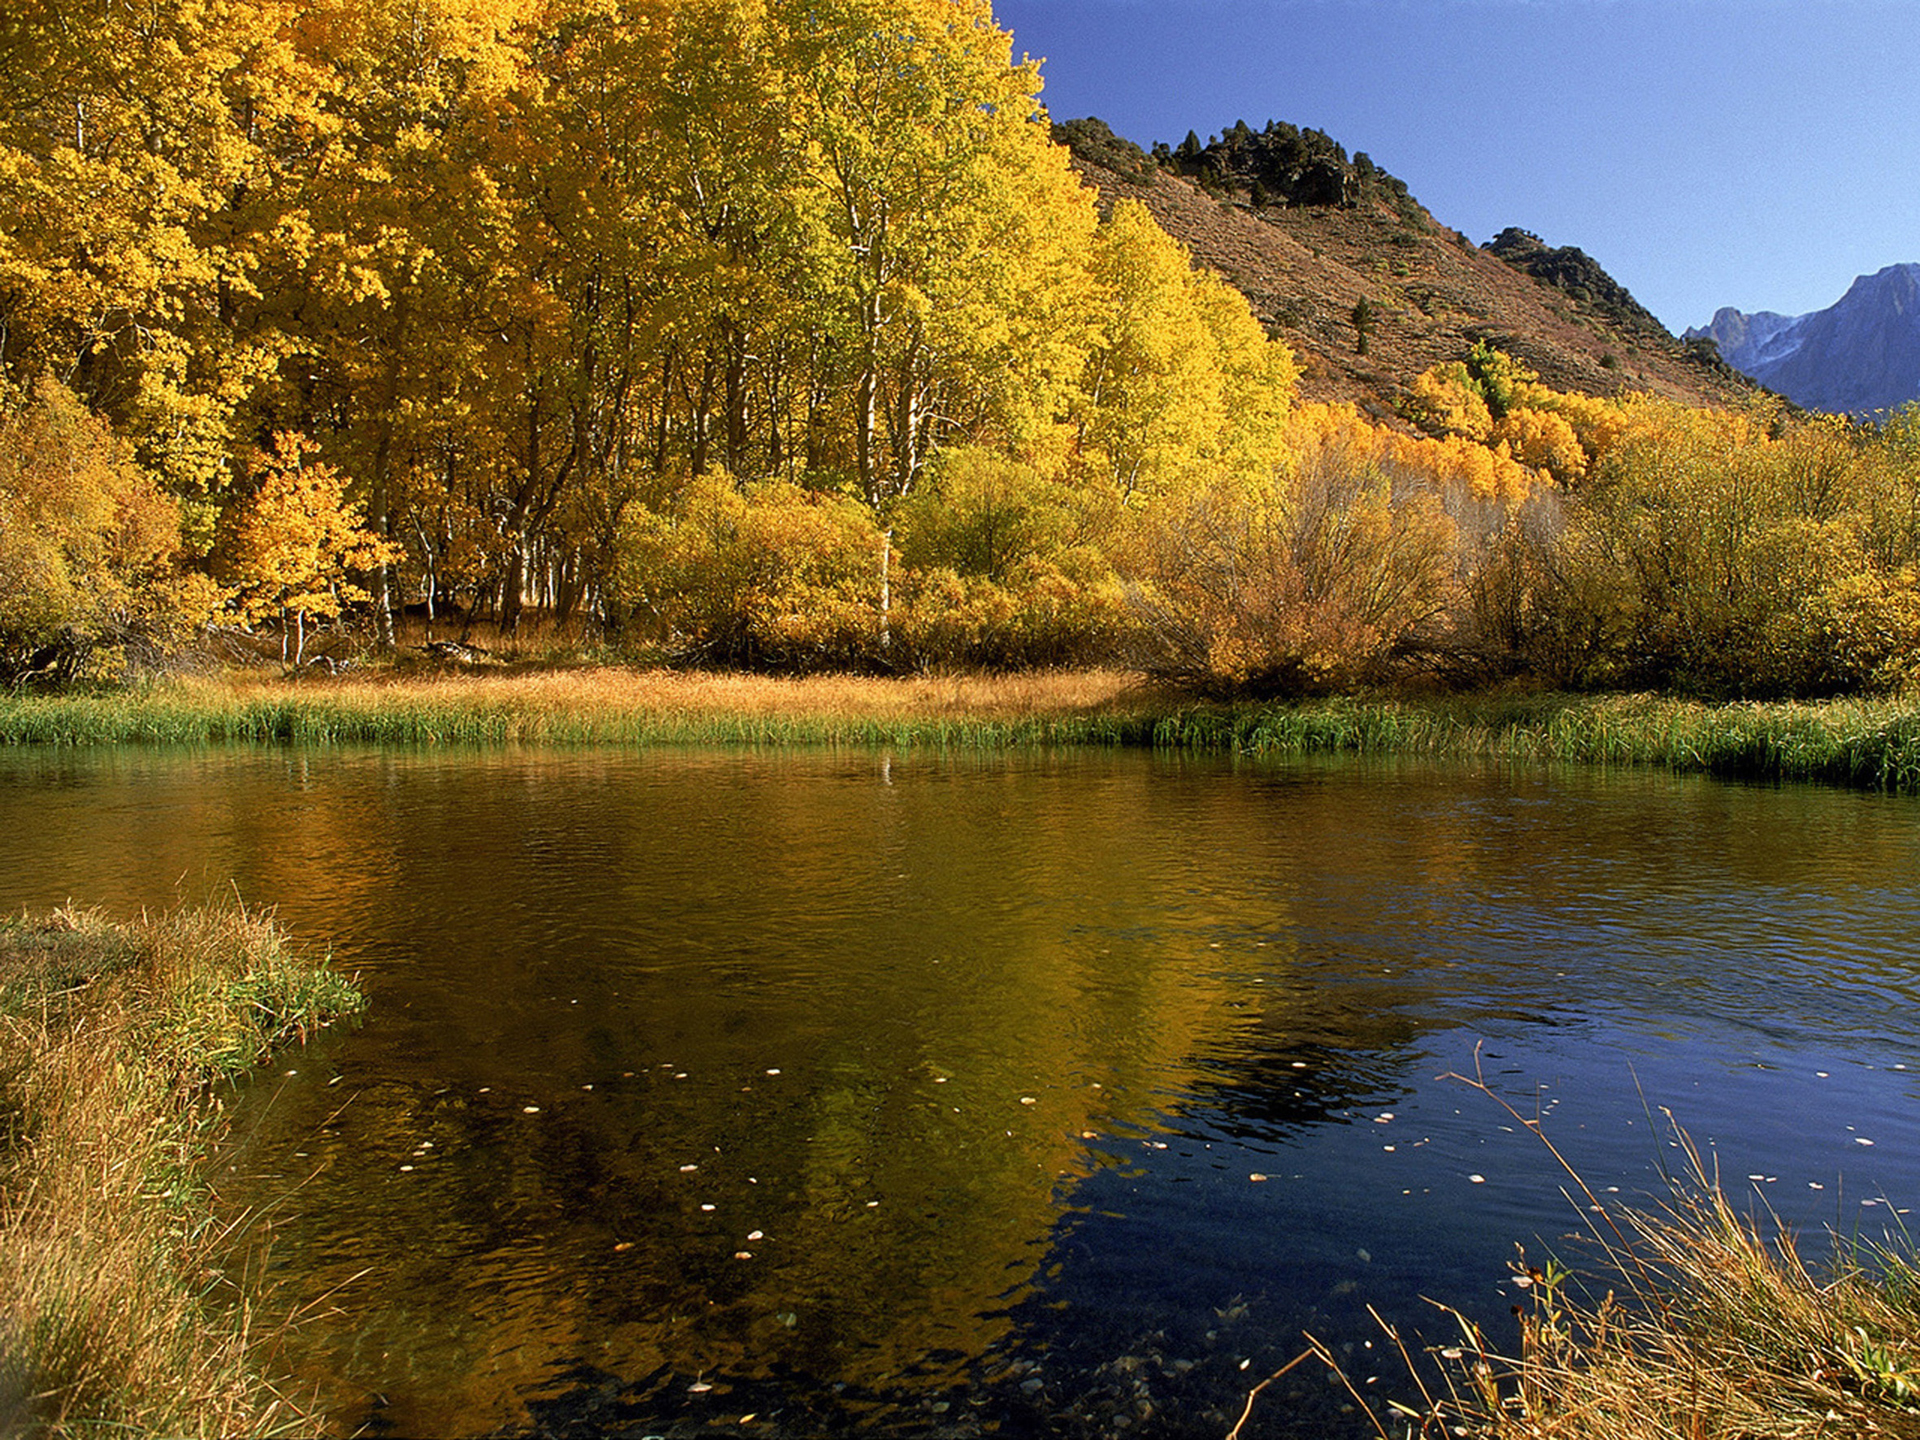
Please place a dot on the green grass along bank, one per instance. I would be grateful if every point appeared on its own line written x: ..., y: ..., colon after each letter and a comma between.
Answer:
x: 1872, y: 743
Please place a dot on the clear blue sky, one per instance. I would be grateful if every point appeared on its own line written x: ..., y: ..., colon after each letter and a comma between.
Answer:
x: 1754, y: 153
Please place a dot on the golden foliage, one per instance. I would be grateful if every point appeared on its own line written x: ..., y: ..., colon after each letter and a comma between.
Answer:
x: 297, y: 541
x: 87, y: 541
x: 1182, y: 376
x: 1002, y: 566
x: 1301, y: 583
x: 756, y: 575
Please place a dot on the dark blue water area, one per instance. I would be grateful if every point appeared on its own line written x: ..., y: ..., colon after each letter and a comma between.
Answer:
x: 1400, y: 1193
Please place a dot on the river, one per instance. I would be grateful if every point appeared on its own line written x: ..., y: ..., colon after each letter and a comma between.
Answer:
x: 1027, y: 1093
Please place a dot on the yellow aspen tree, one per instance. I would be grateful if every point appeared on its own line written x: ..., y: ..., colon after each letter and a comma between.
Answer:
x: 1181, y: 374
x: 297, y: 544
x: 944, y: 225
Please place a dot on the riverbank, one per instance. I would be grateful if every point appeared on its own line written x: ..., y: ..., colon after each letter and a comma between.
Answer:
x: 114, y: 1317
x: 1865, y: 743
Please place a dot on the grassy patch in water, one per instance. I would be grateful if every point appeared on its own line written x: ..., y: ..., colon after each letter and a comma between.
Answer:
x: 111, y: 1316
x: 1872, y: 743
x: 1719, y: 1328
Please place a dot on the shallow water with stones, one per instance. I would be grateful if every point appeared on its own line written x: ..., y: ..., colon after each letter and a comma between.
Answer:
x: 1033, y: 1093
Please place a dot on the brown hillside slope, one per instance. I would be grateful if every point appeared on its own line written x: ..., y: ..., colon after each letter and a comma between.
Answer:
x: 1432, y: 293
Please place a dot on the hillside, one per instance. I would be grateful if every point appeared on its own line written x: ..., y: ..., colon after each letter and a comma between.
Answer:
x: 1307, y: 234
x: 1859, y: 355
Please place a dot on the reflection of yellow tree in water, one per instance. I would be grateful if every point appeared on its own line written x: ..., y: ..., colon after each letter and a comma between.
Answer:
x: 917, y: 959
x: 943, y: 1050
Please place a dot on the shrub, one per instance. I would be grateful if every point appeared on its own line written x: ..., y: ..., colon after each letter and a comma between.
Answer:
x: 769, y: 576
x: 88, y: 572
x: 1300, y: 584
x: 1004, y: 567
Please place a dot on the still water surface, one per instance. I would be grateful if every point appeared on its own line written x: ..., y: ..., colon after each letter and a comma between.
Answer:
x: 1033, y: 1094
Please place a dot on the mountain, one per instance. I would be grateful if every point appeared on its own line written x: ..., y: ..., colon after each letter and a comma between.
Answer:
x: 1859, y: 355
x: 1308, y: 232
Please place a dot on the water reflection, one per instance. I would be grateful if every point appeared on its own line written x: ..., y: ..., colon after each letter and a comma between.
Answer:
x: 917, y: 1093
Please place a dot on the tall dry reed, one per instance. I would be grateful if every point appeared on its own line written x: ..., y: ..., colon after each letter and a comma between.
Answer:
x: 1697, y: 1322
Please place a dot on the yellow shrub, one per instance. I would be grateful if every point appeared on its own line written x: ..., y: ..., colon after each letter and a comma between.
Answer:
x: 87, y: 544
x: 766, y: 575
x: 1299, y: 584
x: 1001, y: 565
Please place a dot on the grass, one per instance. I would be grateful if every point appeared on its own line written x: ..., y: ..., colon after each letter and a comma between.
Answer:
x: 1703, y: 1323
x: 601, y: 705
x: 1866, y: 743
x: 113, y: 1314
x: 1720, y: 1329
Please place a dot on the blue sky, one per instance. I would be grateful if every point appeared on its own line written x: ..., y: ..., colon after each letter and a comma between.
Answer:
x: 1754, y: 153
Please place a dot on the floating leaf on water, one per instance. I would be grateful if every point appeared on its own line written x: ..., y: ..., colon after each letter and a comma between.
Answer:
x: 1257, y: 1178
x: 773, y: 1072
x: 1028, y: 1100
x: 706, y: 1207
x: 756, y: 1235
x: 1476, y: 1179
x: 530, y: 1109
x: 1384, y: 1119
x: 405, y: 1168
x: 688, y: 1169
x: 1089, y: 1135
x: 621, y: 1247
x: 749, y: 1417
x: 743, y: 1254
x: 699, y: 1387
x: 1861, y: 1140
x: 872, y: 1203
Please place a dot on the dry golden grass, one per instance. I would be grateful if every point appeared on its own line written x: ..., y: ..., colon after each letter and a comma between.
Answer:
x: 112, y: 1316
x: 726, y: 694
x: 709, y: 694
x: 488, y: 704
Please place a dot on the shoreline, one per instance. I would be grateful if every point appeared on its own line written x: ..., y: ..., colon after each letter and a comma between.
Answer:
x: 116, y: 1036
x: 1857, y: 743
